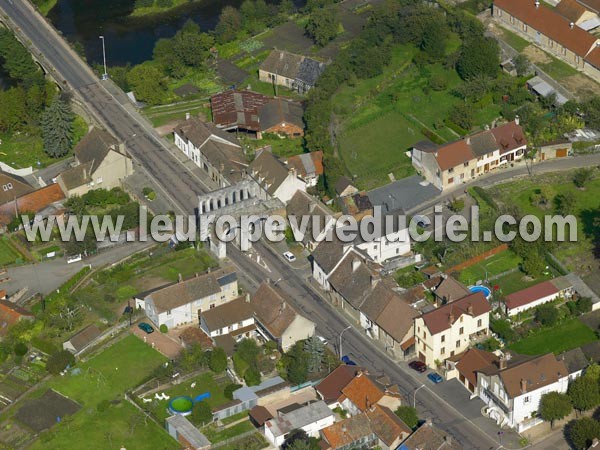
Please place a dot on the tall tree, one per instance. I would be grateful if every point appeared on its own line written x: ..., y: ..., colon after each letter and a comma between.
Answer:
x: 582, y: 432
x: 584, y: 393
x: 555, y: 406
x: 147, y: 82
x: 218, y: 360
x: 229, y: 25
x: 478, y: 56
x: 315, y: 351
x: 323, y: 25
x: 57, y: 128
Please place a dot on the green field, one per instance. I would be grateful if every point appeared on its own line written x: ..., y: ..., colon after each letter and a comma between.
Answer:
x: 558, y: 69
x: 517, y: 281
x: 562, y: 337
x: 572, y: 254
x: 162, y: 115
x: 381, y: 117
x: 374, y: 151
x: 8, y: 253
x: 491, y: 266
x: 108, y: 376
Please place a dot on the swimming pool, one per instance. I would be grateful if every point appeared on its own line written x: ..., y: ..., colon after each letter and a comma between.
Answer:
x: 486, y: 290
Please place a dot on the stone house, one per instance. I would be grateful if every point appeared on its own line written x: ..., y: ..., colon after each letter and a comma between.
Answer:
x: 295, y: 72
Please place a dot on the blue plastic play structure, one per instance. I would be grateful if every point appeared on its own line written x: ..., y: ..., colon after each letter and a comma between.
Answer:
x: 202, y: 397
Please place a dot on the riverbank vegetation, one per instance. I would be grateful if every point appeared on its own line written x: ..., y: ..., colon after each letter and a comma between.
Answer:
x: 143, y: 8
x: 45, y: 6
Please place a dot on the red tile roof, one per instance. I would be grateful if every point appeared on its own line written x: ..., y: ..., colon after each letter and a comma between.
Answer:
x: 442, y: 318
x: 509, y: 137
x: 32, y: 202
x: 331, y: 387
x: 454, y: 154
x: 530, y: 294
x: 593, y: 58
x: 570, y: 9
x: 362, y: 392
x: 11, y: 313
x: 550, y: 23
x: 472, y: 361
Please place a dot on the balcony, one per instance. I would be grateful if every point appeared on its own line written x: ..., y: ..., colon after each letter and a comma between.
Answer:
x: 499, y: 403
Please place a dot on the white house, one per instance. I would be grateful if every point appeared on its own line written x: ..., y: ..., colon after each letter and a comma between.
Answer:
x: 389, y: 239
x: 211, y: 149
x: 276, y: 319
x: 234, y: 318
x: 513, y: 387
x: 311, y: 418
x: 182, y: 302
x: 544, y: 292
x: 274, y: 177
x: 452, y: 328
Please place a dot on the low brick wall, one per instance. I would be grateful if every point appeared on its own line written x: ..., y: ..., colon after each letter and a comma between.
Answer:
x: 478, y: 258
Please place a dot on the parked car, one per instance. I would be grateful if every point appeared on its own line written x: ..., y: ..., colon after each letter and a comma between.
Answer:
x: 146, y: 327
x: 435, y: 377
x: 419, y: 366
x: 322, y: 339
x: 289, y: 256
x: 346, y: 360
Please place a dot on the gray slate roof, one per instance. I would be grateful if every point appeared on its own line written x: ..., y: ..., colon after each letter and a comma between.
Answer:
x: 280, y: 111
x: 296, y: 67
x: 404, y: 194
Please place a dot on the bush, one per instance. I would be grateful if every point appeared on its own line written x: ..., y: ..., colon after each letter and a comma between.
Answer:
x: 504, y: 330
x: 59, y: 360
x: 547, y: 315
x: 218, y: 360
x: 457, y: 205
x: 487, y: 198
x: 438, y: 83
x: 230, y: 389
x: 582, y: 176
x: 201, y: 413
x: 252, y: 376
x: 20, y: 349
x: 408, y: 415
x: 43, y: 346
x: 163, y: 328
x: 144, y: 3
x: 103, y: 405
x: 164, y: 3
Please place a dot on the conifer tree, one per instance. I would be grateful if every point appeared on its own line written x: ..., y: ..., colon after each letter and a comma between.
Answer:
x: 57, y: 128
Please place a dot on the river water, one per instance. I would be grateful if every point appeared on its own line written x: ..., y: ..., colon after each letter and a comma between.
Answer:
x: 127, y: 39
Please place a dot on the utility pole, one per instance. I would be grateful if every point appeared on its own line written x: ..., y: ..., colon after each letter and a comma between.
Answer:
x: 105, y: 74
x: 342, y: 332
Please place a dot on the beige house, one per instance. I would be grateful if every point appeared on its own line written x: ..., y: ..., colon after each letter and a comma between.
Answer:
x: 559, y: 148
x: 461, y: 161
x: 555, y: 33
x: 451, y: 329
x: 276, y: 319
x: 295, y: 72
x: 100, y: 162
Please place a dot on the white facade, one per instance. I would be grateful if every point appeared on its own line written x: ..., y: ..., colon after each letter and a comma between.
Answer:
x: 289, y: 186
x: 540, y: 301
x: 311, y: 418
x: 231, y: 328
x: 300, y: 328
x: 518, y: 412
x: 451, y: 341
x: 387, y: 247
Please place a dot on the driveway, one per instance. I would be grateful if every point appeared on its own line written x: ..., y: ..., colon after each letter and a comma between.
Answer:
x: 160, y: 341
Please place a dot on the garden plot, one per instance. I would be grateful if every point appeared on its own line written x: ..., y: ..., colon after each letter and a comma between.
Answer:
x: 41, y: 413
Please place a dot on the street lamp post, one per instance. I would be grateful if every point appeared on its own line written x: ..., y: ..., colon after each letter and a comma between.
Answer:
x: 105, y: 74
x: 341, y: 334
x: 415, y: 395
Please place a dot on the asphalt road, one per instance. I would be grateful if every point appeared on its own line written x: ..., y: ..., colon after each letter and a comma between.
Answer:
x: 181, y: 185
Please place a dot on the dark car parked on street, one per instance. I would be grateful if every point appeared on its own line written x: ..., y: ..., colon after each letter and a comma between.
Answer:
x: 419, y: 366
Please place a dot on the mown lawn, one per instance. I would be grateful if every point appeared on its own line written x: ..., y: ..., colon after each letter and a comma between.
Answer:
x: 558, y: 69
x: 517, y: 281
x: 567, y: 335
x: 491, y: 266
x: 514, y: 40
x: 27, y: 150
x: 204, y: 383
x: 215, y: 436
x: 373, y: 151
x: 107, y: 376
x: 382, y: 117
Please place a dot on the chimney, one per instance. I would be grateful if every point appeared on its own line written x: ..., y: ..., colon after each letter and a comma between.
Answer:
x: 470, y: 309
x: 451, y: 318
x: 292, y: 172
x: 537, y: 3
x: 486, y: 127
x: 523, y: 385
x: 355, y: 264
x: 468, y: 139
x: 571, y: 25
x: 180, y: 278
x: 367, y: 403
x: 188, y: 116
x: 517, y: 119
x: 359, y: 374
x: 502, y: 363
x: 247, y: 297
x: 196, y: 275
x: 344, y: 429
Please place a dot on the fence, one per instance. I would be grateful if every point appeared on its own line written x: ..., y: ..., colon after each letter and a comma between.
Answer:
x: 478, y: 258
x: 231, y: 440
